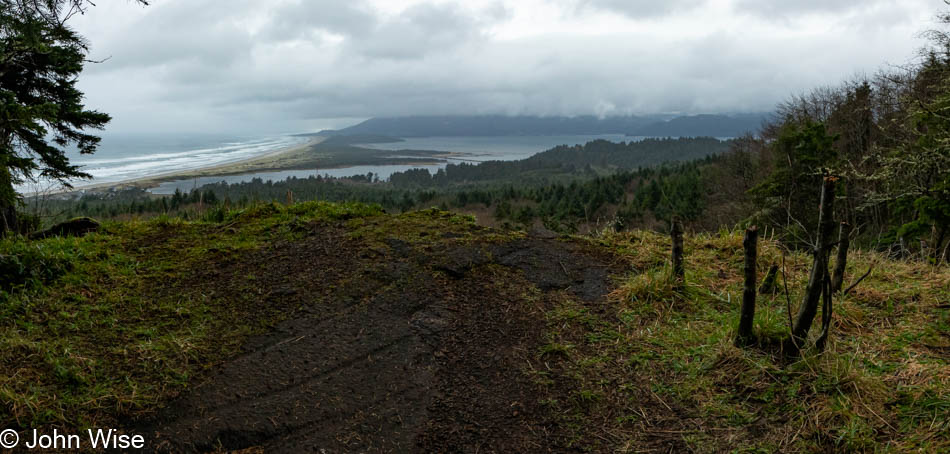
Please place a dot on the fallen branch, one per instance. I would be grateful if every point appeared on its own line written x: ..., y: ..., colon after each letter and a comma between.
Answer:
x: 720, y: 298
x: 855, y: 284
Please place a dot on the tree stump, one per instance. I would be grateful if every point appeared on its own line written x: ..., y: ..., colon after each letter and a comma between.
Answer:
x: 747, y: 312
x: 676, y: 234
x: 841, y: 262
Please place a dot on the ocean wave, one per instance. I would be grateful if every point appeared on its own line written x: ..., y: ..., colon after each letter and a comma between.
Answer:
x: 228, y: 150
x: 133, y: 167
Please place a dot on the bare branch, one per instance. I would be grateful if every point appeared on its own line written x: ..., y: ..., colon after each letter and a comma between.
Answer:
x: 855, y: 284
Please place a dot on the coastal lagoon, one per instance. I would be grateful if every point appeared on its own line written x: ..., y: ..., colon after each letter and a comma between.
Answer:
x: 496, y: 148
x: 382, y: 172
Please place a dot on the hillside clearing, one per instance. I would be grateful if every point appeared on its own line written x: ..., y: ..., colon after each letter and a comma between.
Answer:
x: 341, y: 327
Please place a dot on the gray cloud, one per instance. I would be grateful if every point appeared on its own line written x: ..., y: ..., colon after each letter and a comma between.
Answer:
x: 285, y: 65
x: 420, y: 30
x: 784, y: 7
x: 202, y: 33
x: 641, y: 8
x: 783, y: 10
x: 299, y: 19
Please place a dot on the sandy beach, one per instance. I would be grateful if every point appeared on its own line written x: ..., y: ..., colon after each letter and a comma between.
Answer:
x: 274, y: 159
x: 303, y: 156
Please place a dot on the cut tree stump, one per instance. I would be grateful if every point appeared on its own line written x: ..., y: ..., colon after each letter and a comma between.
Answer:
x: 747, y: 312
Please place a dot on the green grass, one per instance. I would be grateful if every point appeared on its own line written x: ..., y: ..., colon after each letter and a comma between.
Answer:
x: 105, y: 327
x: 97, y: 328
x: 662, y: 361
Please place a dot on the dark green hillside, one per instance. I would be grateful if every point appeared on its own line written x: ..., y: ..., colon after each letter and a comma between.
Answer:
x: 633, y: 154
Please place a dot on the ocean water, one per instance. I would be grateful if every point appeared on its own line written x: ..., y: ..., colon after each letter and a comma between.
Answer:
x: 124, y: 157
x: 127, y: 157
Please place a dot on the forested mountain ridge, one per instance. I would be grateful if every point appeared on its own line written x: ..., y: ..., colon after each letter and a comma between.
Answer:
x: 493, y: 125
x: 500, y: 125
x: 705, y: 126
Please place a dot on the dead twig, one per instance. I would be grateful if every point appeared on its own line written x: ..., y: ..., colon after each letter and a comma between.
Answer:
x: 855, y: 284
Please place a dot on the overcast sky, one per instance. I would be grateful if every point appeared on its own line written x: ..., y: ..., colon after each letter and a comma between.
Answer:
x: 297, y: 65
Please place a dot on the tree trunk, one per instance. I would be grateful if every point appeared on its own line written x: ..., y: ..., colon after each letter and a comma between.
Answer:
x: 8, y: 198
x: 676, y: 233
x: 841, y: 262
x: 938, y: 252
x: 747, y: 313
x: 826, y: 296
x: 8, y: 220
x: 819, y: 269
x: 768, y: 284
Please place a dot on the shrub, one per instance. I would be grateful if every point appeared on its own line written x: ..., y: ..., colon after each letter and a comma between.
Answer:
x: 28, y: 264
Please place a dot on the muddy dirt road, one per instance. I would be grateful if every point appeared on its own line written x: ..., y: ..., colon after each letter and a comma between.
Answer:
x: 392, y: 346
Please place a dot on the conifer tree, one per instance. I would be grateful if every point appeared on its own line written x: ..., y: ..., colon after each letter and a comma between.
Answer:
x: 41, y: 109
